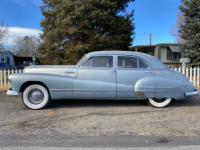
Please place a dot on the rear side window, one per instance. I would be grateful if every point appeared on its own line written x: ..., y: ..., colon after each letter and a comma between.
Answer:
x: 127, y: 62
x: 99, y: 61
x: 131, y: 62
x: 142, y: 64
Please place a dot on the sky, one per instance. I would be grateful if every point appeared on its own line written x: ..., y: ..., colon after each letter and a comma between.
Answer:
x: 156, y: 17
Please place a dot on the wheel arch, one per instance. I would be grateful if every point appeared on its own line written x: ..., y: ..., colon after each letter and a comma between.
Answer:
x: 145, y: 87
x: 28, y: 83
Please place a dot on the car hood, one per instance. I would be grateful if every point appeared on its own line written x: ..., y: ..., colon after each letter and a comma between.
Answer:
x: 51, y: 69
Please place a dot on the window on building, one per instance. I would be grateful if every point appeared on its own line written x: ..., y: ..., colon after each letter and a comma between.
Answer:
x: 175, y: 56
x: 8, y: 60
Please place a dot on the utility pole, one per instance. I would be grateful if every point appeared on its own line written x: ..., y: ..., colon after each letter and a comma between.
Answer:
x: 150, y: 39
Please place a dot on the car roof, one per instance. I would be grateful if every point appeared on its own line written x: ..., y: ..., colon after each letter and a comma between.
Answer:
x: 155, y: 63
x: 120, y: 53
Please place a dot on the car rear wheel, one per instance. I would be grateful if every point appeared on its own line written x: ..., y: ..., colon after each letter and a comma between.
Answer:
x: 160, y: 103
x: 35, y: 97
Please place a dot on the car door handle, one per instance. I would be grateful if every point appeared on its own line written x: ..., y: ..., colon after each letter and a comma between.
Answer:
x: 69, y: 72
x: 147, y: 71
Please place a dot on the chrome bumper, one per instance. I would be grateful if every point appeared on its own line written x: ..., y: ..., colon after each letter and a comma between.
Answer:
x: 12, y: 93
x: 191, y: 93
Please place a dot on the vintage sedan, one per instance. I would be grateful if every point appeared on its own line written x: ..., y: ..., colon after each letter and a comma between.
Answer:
x: 115, y: 75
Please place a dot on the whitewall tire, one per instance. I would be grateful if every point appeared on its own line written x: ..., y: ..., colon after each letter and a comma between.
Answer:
x: 35, y: 97
x: 160, y: 103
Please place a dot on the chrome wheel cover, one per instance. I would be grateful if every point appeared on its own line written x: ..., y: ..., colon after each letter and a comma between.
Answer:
x: 36, y: 96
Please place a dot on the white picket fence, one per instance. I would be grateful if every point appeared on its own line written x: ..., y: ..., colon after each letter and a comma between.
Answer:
x: 192, y: 73
x: 4, y: 84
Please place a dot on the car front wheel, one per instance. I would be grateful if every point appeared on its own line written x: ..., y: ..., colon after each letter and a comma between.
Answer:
x: 160, y: 103
x: 35, y: 97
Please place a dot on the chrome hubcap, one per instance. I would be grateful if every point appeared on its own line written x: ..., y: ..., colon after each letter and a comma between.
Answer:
x: 36, y: 96
x: 160, y: 100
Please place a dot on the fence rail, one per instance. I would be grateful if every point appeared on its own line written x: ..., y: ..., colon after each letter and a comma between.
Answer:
x: 192, y: 73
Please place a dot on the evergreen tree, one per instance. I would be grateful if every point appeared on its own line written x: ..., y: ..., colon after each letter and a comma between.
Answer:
x: 75, y: 27
x: 190, y: 29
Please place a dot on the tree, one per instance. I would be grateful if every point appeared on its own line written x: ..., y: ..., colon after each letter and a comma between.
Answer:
x: 175, y: 30
x: 190, y: 29
x: 73, y: 28
x: 3, y: 32
x: 27, y: 46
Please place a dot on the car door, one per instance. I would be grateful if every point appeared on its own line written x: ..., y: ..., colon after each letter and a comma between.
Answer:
x: 96, y: 78
x: 130, y: 69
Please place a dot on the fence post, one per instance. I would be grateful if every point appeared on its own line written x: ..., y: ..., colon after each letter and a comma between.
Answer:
x: 1, y: 80
x: 198, y: 72
x: 8, y: 83
x: 179, y: 69
x: 194, y: 76
x: 187, y: 72
x: 190, y: 74
x: 4, y: 79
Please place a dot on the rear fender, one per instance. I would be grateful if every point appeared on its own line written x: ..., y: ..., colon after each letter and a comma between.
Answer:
x: 169, y: 88
x: 145, y: 88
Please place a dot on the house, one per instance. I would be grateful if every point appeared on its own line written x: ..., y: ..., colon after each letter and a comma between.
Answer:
x: 10, y: 61
x: 169, y: 53
x: 6, y: 60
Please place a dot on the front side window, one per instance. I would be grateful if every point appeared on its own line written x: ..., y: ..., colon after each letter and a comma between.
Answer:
x: 131, y: 62
x: 99, y: 61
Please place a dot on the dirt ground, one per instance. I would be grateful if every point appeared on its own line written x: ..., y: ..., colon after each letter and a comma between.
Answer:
x: 97, y: 118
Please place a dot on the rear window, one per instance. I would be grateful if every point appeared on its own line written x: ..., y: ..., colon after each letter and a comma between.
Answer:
x: 142, y: 64
x: 131, y: 62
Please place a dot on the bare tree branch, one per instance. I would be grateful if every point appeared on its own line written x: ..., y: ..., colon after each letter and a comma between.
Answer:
x: 27, y: 46
x: 175, y: 31
x: 3, y: 32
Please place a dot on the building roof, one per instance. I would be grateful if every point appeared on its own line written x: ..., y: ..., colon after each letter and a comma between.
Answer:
x: 173, y: 46
x: 6, y: 52
x: 160, y: 44
x: 167, y: 44
x: 143, y: 46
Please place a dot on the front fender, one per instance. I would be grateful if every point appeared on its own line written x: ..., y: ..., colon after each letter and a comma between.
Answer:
x: 52, y: 81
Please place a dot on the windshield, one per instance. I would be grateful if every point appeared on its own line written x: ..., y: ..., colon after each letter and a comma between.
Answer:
x: 78, y: 63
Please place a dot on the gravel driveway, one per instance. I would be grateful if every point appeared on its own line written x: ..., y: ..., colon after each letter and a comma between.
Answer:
x: 99, y: 118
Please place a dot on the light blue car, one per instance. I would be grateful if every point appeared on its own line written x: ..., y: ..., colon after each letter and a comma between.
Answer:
x: 116, y: 75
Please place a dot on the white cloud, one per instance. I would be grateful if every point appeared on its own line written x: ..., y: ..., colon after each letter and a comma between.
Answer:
x: 17, y: 32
